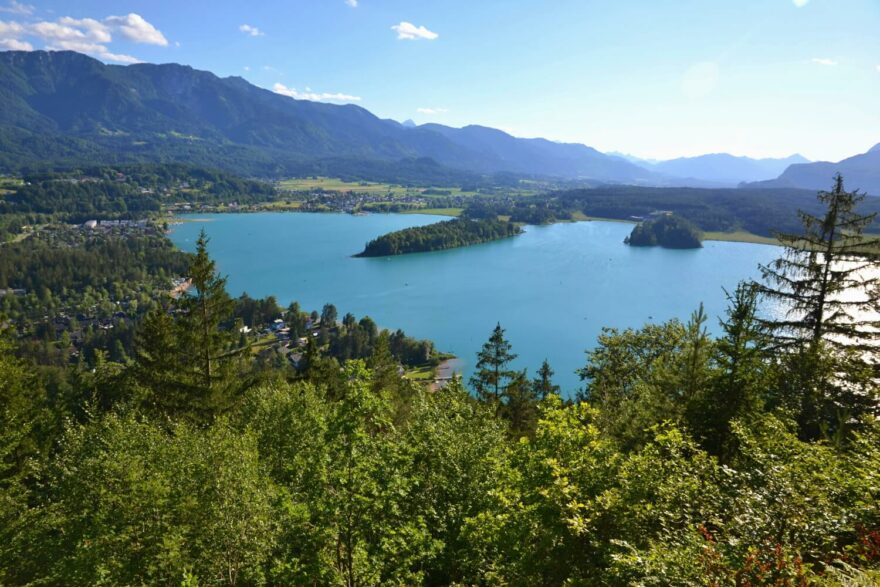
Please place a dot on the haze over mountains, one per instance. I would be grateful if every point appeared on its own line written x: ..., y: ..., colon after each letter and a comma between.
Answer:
x: 861, y: 172
x: 721, y: 167
x: 65, y: 107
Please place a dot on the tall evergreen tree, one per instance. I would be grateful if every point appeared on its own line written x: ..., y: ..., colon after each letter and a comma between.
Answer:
x: 191, y: 363
x: 492, y: 374
x: 742, y: 372
x: 829, y: 298
x: 543, y: 383
x: 820, y: 270
x: 520, y: 405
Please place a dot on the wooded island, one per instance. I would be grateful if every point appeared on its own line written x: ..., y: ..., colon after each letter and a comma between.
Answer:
x: 459, y: 232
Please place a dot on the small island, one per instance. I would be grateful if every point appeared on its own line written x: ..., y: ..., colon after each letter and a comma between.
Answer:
x: 458, y: 232
x: 666, y: 230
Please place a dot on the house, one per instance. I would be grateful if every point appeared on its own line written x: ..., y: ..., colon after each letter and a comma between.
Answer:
x: 90, y: 224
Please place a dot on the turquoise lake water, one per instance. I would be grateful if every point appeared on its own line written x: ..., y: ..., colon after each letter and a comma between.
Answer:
x: 552, y: 288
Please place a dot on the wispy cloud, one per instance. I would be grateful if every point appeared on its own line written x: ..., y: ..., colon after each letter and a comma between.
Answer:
x: 352, y: 3
x: 85, y: 35
x: 409, y: 32
x: 878, y: 68
x: 800, y: 3
x: 251, y: 30
x: 11, y: 34
x: 824, y: 61
x: 431, y: 111
x: 14, y: 7
x: 309, y: 94
x: 16, y: 45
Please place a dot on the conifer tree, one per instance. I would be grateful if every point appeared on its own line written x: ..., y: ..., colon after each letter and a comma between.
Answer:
x: 826, y: 289
x: 492, y: 374
x: 543, y: 383
x: 816, y: 272
x: 740, y: 356
x: 190, y: 363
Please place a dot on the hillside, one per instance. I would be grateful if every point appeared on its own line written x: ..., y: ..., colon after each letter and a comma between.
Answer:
x: 724, y: 168
x: 64, y: 107
x: 861, y: 172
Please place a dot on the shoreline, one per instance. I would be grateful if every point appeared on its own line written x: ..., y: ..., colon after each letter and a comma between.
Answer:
x: 717, y: 236
x: 444, y: 372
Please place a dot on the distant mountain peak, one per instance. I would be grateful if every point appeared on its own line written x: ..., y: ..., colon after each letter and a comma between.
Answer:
x: 409, y: 123
x: 875, y: 148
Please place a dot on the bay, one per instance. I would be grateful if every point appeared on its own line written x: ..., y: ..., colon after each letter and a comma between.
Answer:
x: 552, y: 288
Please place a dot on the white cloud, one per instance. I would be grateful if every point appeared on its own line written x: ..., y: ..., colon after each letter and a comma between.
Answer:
x: 410, y: 32
x: 251, y: 30
x: 89, y: 48
x: 878, y: 67
x: 246, y: 68
x: 84, y: 35
x: 10, y: 28
x: 16, y: 45
x: 800, y: 3
x: 308, y: 94
x: 90, y: 27
x: 824, y: 61
x: 352, y: 3
x: 431, y: 111
x: 10, y: 36
x: 54, y: 31
x: 134, y: 28
x: 18, y: 8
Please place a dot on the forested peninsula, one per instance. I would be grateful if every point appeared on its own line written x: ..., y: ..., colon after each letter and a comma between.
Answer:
x: 459, y: 232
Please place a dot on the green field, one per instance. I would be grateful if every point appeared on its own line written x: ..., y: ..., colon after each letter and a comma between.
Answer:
x: 436, y: 211
x: 329, y: 184
x: 8, y: 185
x: 337, y: 185
x: 740, y: 236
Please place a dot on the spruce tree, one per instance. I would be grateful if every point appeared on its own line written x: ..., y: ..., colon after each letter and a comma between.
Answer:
x: 543, y: 383
x: 492, y: 374
x: 191, y: 363
x: 820, y: 270
x: 740, y: 356
x: 828, y: 299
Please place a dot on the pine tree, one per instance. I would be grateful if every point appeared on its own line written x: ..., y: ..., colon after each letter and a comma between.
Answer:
x: 818, y: 269
x: 543, y: 383
x: 492, y: 375
x: 829, y: 299
x: 519, y: 406
x: 204, y: 312
x: 742, y: 371
x: 190, y: 364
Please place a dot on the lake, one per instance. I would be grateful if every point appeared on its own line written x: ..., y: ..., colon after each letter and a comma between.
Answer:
x: 552, y: 288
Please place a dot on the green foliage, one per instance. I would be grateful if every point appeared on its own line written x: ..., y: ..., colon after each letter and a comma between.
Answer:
x: 82, y: 193
x: 669, y: 231
x: 189, y: 364
x: 685, y: 463
x: 449, y: 234
x: 492, y: 374
x: 130, y: 502
x: 826, y: 289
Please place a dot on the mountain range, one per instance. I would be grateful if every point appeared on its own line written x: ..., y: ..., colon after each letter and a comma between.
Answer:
x: 66, y: 108
x: 861, y: 172
x: 721, y: 168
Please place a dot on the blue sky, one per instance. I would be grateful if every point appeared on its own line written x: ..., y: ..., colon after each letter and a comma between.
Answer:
x: 655, y: 79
